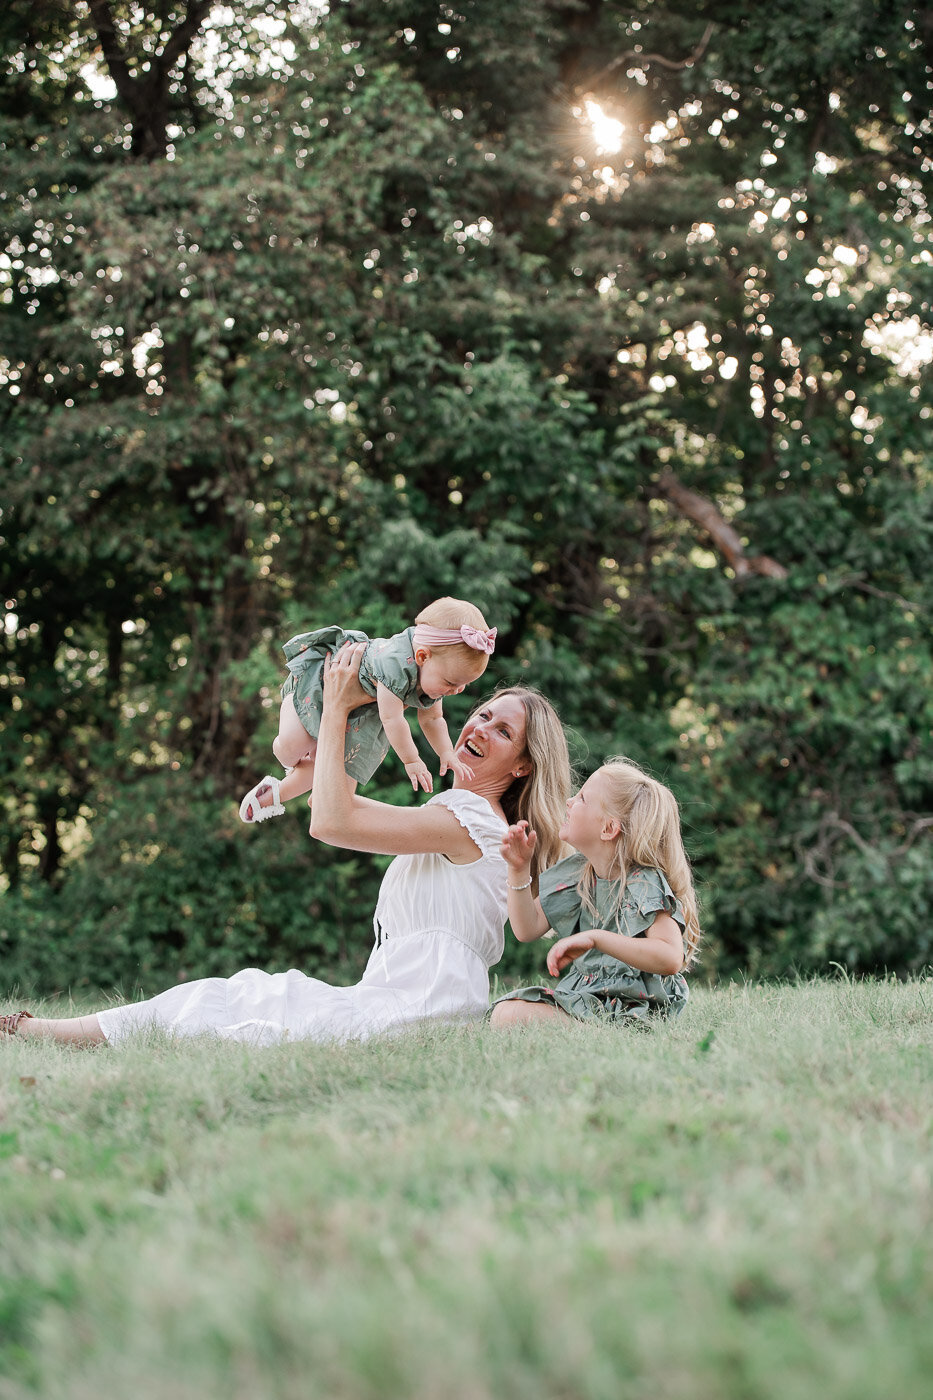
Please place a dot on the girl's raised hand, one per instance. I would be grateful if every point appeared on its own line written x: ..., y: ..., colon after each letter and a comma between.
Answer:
x: 518, y: 846
x: 420, y: 775
x: 459, y: 770
x: 567, y: 950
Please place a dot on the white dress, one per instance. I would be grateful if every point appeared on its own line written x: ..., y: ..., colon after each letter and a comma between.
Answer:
x: 439, y: 928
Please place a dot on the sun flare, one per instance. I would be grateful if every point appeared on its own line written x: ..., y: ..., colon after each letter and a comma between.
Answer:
x: 607, y: 131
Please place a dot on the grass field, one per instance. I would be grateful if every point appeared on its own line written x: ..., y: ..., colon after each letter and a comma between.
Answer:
x: 734, y: 1206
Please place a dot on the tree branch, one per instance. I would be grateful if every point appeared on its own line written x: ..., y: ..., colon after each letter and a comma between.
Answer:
x: 146, y: 96
x: 113, y: 53
x: 858, y: 582
x: 726, y: 540
x: 180, y: 40
x: 818, y: 854
x: 646, y: 59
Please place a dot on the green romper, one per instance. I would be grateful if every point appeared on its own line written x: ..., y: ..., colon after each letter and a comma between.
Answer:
x: 390, y: 661
x: 596, y: 985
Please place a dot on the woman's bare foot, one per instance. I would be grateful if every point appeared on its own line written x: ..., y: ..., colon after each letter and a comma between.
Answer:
x: 10, y: 1024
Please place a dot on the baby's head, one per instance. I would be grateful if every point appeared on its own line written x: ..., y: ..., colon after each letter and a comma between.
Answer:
x: 452, y: 646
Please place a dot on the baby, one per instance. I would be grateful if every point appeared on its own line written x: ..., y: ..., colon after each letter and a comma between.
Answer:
x: 447, y: 649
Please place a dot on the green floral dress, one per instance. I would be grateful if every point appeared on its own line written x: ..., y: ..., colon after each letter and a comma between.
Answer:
x: 390, y: 661
x: 597, y: 985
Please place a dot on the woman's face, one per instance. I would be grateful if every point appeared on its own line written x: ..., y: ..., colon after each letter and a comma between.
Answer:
x: 492, y: 742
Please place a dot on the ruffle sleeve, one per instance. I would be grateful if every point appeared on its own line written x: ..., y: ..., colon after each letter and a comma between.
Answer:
x: 309, y: 648
x: 392, y: 663
x: 476, y: 817
x: 559, y: 896
x: 647, y: 894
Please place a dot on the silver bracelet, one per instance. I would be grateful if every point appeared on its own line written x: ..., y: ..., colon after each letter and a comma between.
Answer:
x: 519, y: 887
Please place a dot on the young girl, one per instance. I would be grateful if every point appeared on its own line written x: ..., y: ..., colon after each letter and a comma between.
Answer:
x: 624, y: 904
x: 448, y: 649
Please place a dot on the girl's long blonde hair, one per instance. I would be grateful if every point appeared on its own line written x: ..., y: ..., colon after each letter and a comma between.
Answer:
x: 540, y: 798
x: 650, y: 820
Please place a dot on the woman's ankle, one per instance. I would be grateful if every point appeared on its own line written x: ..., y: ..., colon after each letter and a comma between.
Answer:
x: 72, y: 1030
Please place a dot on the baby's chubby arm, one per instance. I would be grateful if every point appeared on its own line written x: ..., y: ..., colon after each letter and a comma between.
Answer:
x: 659, y: 950
x: 434, y: 728
x: 392, y: 714
x: 526, y: 916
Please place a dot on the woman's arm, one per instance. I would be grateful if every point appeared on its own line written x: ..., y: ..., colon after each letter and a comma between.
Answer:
x: 661, y: 950
x: 341, y: 817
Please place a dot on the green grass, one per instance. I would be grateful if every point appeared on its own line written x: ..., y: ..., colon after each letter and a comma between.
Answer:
x: 734, y: 1206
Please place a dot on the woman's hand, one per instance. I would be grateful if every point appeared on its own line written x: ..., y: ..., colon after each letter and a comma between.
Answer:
x: 341, y: 678
x: 567, y: 950
x: 518, y: 848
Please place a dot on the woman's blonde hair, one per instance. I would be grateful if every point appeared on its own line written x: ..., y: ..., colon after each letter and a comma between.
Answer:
x: 540, y: 797
x: 650, y: 820
x: 456, y: 612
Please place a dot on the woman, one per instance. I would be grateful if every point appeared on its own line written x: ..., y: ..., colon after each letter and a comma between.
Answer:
x: 441, y: 911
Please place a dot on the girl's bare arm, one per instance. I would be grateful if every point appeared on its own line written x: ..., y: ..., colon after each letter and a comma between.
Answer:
x: 660, y: 950
x: 392, y: 714
x: 434, y: 728
x: 526, y: 916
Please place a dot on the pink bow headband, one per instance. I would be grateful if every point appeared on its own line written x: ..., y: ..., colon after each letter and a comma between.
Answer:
x: 426, y: 636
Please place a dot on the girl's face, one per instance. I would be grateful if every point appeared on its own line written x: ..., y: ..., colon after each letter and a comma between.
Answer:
x: 588, y: 826
x: 492, y: 742
x: 440, y: 674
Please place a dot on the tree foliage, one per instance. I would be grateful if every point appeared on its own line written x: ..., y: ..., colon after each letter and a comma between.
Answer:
x: 613, y: 318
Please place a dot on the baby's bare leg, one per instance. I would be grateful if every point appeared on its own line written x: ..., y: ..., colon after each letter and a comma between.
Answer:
x: 293, y: 744
x: 299, y: 780
x: 295, y: 749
